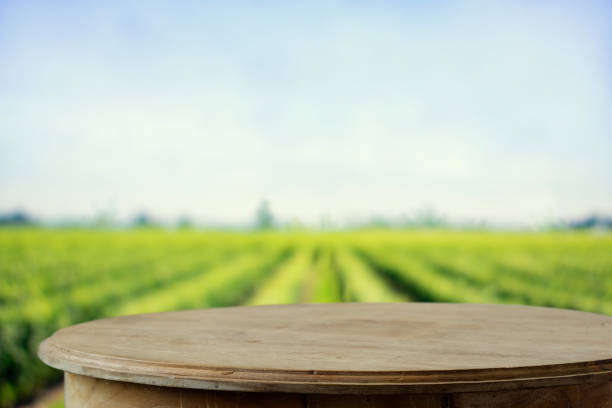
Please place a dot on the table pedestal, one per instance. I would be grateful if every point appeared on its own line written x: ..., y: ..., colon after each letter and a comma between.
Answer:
x: 89, y: 392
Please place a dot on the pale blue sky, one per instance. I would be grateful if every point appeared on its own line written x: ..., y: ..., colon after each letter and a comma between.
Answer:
x: 486, y: 110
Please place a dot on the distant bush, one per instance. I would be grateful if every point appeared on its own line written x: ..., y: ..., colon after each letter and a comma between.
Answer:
x: 593, y: 221
x: 16, y: 218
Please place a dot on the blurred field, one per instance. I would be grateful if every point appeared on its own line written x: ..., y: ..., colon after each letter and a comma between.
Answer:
x: 53, y: 278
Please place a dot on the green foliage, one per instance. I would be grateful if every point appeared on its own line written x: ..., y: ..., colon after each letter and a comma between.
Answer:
x: 325, y: 283
x: 53, y: 278
x: 361, y: 282
x: 284, y: 286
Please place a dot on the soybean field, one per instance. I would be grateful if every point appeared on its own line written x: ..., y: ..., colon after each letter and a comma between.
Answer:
x: 54, y: 278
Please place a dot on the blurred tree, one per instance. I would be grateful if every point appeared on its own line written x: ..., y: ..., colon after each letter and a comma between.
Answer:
x: 143, y: 220
x: 264, y: 219
x: 592, y: 222
x: 16, y: 218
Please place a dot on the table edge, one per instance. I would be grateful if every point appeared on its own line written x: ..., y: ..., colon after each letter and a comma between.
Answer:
x: 325, y: 382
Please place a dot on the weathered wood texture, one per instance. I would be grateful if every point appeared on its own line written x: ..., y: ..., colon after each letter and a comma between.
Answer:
x: 573, y: 396
x: 343, y: 348
x: 87, y: 392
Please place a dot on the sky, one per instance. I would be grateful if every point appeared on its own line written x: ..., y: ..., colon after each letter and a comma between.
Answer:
x: 483, y: 110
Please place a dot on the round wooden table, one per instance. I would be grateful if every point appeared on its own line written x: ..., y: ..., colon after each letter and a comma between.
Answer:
x: 408, y: 355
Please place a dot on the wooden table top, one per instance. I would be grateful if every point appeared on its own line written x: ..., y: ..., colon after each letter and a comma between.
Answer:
x: 342, y: 348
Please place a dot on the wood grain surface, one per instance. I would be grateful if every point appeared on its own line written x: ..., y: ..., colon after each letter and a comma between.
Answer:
x: 88, y: 392
x: 343, y: 348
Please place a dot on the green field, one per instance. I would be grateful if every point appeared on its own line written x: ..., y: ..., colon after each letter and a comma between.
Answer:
x: 53, y: 278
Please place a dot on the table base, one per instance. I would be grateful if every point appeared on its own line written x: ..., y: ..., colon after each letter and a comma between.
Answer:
x: 88, y: 392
